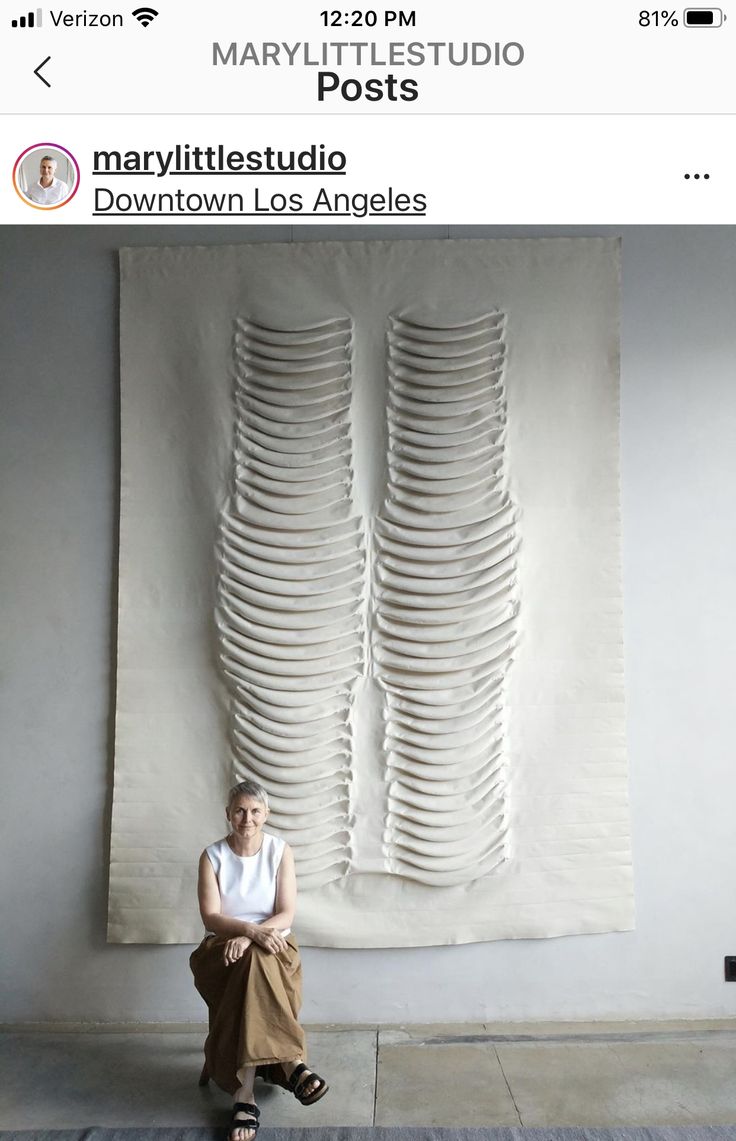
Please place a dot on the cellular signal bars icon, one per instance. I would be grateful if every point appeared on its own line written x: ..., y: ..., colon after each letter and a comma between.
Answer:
x: 32, y: 20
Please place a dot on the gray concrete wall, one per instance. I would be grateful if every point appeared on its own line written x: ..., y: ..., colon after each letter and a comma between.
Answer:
x: 59, y: 456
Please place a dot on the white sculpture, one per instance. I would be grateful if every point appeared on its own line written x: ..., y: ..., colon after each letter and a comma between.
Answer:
x: 292, y: 575
x: 401, y: 474
x: 290, y: 584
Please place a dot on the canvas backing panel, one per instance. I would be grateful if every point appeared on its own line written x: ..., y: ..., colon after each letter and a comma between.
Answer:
x: 566, y: 865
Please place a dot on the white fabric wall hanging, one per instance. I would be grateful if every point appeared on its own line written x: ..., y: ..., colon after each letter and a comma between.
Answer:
x: 370, y: 556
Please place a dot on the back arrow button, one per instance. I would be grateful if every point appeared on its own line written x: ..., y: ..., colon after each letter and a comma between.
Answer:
x: 37, y: 70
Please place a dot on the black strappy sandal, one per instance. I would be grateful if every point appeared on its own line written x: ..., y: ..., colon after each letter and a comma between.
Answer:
x: 302, y: 1076
x: 250, y: 1122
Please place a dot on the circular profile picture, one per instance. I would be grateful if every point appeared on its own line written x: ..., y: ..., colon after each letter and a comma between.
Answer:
x: 46, y: 176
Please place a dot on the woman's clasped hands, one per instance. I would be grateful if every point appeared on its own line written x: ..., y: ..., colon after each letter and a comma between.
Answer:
x: 267, y: 938
x: 235, y: 949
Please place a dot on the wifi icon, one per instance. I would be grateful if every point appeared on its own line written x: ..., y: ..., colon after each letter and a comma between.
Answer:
x: 145, y: 16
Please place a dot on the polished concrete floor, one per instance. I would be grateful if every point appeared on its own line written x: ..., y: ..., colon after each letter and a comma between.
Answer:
x: 465, y: 1075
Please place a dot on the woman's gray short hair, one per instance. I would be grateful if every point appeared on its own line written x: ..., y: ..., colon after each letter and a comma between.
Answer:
x: 249, y: 788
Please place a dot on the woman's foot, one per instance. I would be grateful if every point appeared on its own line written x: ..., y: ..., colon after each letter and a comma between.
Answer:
x: 244, y: 1121
x: 306, y: 1086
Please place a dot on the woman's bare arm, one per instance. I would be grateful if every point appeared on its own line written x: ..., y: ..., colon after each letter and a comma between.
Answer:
x: 285, y: 904
x: 210, y: 904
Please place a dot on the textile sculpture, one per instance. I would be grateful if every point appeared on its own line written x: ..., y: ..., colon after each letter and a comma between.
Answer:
x: 290, y: 586
x: 369, y: 556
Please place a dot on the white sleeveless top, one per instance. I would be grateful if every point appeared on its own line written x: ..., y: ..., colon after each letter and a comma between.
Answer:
x: 247, y: 883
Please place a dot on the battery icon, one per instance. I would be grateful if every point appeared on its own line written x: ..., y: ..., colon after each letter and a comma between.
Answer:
x: 703, y: 17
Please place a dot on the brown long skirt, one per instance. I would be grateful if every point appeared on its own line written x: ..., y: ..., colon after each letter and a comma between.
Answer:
x: 253, y: 1007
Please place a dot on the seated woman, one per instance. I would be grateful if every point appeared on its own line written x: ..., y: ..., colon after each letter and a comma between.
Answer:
x: 247, y: 968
